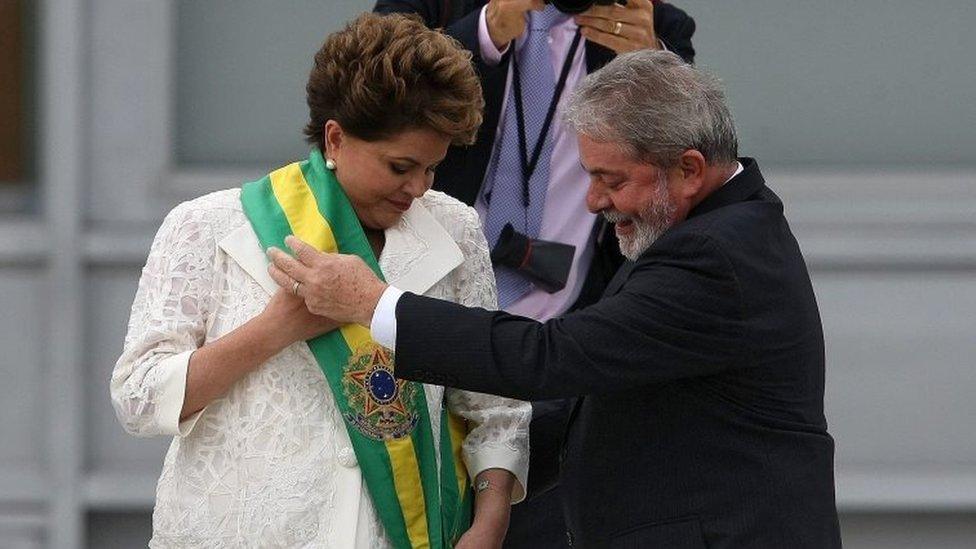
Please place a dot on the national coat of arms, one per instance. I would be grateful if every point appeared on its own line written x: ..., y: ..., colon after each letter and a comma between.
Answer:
x: 380, y: 405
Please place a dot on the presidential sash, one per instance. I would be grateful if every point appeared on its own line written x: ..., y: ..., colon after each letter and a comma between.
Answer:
x: 387, y: 419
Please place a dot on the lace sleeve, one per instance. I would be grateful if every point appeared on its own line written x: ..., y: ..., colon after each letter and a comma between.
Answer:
x: 167, y: 323
x: 498, y: 436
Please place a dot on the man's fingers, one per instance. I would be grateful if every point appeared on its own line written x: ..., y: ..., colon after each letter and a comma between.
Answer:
x: 604, y: 25
x: 303, y: 251
x: 613, y: 12
x: 526, y: 5
x: 291, y: 266
x: 532, y: 5
x: 616, y: 43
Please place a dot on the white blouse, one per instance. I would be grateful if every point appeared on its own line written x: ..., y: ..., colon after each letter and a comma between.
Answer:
x: 270, y: 464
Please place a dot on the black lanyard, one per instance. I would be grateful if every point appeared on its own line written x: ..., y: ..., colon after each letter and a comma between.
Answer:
x: 529, y: 164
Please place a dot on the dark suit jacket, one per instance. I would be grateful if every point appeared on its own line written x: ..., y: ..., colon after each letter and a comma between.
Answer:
x: 463, y: 170
x: 701, y: 374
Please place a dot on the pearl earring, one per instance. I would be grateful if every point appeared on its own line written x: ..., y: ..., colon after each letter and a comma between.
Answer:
x: 330, y: 164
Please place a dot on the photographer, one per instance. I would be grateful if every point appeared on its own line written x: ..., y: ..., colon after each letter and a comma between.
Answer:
x: 551, y: 255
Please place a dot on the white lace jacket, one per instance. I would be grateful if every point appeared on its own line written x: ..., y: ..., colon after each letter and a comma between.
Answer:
x: 270, y: 464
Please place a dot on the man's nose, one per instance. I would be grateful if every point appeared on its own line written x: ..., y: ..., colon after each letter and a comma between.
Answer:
x: 596, y: 200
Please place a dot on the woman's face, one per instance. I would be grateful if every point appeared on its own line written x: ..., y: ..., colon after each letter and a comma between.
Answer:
x: 382, y: 178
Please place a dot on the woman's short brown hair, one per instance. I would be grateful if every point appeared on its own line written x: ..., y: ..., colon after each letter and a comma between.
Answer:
x: 383, y: 74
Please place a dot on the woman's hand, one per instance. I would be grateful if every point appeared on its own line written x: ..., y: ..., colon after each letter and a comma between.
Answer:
x: 288, y: 320
x: 216, y: 366
x: 482, y: 536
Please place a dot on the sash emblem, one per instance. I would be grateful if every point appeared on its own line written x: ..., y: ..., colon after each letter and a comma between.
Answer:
x: 379, y: 404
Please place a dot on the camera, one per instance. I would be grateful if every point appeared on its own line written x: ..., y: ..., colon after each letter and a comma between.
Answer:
x: 544, y: 263
x: 578, y: 6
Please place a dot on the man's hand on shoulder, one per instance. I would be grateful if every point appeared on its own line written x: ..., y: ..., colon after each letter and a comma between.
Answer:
x: 506, y: 19
x: 341, y: 287
x: 620, y: 28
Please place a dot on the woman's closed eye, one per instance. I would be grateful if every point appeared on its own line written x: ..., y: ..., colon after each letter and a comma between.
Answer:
x: 399, y: 169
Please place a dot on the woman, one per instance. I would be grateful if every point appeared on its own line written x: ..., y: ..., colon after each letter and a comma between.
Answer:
x: 287, y: 437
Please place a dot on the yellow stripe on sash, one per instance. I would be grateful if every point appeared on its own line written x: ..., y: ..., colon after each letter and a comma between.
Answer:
x: 403, y: 460
x: 298, y: 203
x: 406, y: 477
x: 459, y: 431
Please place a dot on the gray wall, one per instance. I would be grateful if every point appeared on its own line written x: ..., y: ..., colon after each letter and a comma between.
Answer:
x: 881, y: 83
x: 862, y: 112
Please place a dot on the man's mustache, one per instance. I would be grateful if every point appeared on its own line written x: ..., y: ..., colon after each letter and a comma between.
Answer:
x: 614, y: 216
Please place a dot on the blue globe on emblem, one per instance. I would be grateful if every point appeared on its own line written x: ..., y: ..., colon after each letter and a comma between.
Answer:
x: 382, y: 386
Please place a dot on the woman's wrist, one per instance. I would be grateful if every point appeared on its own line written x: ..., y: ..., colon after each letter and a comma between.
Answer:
x: 492, y: 516
x: 493, y: 500
x: 269, y: 337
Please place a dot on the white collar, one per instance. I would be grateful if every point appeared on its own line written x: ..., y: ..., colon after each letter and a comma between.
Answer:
x: 435, y: 253
x: 739, y: 168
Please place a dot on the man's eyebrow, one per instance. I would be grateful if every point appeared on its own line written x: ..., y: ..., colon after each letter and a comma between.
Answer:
x: 598, y: 171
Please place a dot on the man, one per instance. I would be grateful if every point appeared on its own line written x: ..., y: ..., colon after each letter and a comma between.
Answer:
x: 489, y: 175
x: 700, y: 371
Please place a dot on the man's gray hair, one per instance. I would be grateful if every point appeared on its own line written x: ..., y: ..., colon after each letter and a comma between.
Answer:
x: 658, y: 106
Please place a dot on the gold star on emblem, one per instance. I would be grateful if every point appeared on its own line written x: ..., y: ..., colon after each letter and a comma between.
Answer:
x: 379, y: 359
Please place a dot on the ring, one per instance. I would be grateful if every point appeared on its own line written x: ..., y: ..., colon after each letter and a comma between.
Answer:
x: 617, y: 25
x: 294, y: 287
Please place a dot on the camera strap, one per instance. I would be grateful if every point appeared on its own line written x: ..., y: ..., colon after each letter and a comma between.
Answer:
x: 529, y: 163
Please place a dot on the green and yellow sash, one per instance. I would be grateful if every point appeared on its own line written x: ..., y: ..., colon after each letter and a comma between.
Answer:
x: 387, y: 419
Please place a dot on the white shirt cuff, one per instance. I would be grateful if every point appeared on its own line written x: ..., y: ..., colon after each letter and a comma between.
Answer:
x: 172, y: 390
x: 383, y: 326
x: 489, y: 52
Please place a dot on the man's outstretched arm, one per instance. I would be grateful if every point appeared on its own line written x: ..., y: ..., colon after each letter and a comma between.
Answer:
x: 678, y: 316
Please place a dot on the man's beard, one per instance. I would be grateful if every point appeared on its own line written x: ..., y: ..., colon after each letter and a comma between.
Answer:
x: 651, y: 222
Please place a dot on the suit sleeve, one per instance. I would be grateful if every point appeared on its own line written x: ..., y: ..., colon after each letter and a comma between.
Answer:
x: 679, y: 315
x: 675, y: 28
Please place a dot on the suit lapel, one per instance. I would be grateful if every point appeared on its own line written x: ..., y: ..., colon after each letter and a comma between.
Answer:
x: 618, y: 279
x: 243, y: 247
x: 430, y: 250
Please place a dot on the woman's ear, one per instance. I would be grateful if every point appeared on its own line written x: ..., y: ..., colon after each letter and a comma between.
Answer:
x: 333, y: 139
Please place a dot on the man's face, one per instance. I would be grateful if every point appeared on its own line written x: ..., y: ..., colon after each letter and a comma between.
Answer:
x: 634, y: 195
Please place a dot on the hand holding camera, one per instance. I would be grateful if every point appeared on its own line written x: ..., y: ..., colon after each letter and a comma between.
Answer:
x: 506, y: 19
x: 619, y: 28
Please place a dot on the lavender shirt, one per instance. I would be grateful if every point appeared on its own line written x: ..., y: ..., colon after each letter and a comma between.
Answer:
x: 565, y: 217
